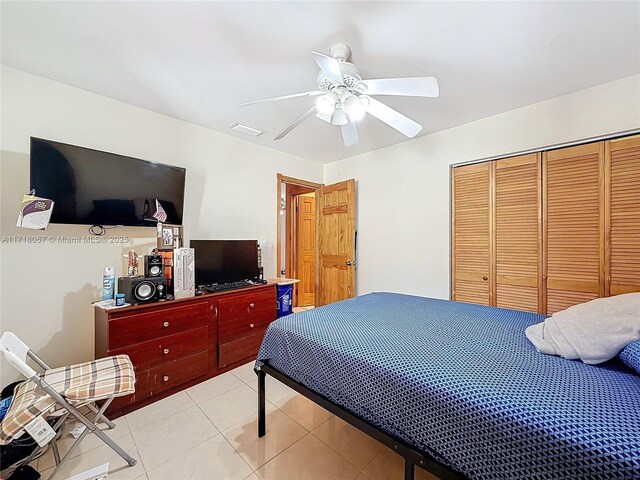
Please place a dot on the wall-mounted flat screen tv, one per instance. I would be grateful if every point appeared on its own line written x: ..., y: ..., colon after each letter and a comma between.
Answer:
x: 91, y: 187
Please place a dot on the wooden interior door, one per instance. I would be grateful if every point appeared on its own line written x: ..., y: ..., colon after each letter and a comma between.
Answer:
x: 306, y: 249
x: 623, y: 174
x: 471, y: 235
x: 337, y: 242
x: 518, y: 239
x: 574, y: 225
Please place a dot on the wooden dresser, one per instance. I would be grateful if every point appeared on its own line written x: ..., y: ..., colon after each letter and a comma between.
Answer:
x: 176, y: 344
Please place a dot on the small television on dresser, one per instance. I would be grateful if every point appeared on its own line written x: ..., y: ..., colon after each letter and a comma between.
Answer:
x: 223, y: 261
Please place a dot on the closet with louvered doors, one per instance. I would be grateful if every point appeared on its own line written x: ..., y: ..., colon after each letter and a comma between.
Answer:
x: 546, y: 231
x: 574, y: 226
x: 622, y: 176
x: 471, y: 234
x: 517, y: 233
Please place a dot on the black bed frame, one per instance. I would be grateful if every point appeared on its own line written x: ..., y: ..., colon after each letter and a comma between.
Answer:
x: 411, y: 456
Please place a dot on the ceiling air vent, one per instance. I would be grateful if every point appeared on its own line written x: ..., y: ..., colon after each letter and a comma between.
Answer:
x: 238, y: 127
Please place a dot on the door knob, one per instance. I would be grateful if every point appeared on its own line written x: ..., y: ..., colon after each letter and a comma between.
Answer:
x: 485, y: 278
x: 165, y: 324
x: 165, y: 378
x: 251, y: 305
x: 348, y: 263
x: 252, y: 325
x: 166, y: 351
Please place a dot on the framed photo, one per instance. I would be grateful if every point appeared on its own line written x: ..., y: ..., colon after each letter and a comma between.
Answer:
x: 169, y: 236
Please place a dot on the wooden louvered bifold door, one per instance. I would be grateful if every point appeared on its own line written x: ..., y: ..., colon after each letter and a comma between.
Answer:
x: 518, y: 241
x: 471, y: 233
x: 574, y: 225
x: 623, y: 168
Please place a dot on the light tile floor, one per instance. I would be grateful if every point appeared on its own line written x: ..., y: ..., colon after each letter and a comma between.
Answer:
x: 209, y: 432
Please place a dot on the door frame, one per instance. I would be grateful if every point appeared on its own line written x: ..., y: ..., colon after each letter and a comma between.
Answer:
x: 283, y: 179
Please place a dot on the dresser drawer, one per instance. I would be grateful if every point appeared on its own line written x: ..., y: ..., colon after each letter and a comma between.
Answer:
x: 165, y: 349
x: 131, y: 329
x: 163, y: 377
x: 245, y: 348
x: 253, y: 306
x: 242, y: 327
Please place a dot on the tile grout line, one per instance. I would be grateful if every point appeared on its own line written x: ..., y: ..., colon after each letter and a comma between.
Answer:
x: 238, y: 454
x: 340, y: 454
x: 294, y: 443
x: 194, y: 446
x: 163, y: 418
x: 135, y: 444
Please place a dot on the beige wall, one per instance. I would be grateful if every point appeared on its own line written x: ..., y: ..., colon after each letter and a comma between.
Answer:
x: 46, y: 289
x: 403, y: 190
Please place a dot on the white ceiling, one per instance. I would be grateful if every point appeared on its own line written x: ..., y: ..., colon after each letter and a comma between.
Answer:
x: 198, y: 61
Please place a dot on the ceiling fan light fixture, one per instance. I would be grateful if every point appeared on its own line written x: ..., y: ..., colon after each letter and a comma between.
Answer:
x: 343, y: 97
x: 339, y: 117
x: 327, y: 103
x: 355, y: 107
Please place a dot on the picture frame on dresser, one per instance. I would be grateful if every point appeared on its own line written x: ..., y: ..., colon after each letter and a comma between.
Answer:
x: 169, y: 236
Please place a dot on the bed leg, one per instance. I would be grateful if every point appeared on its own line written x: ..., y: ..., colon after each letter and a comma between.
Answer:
x: 261, y: 404
x: 408, y: 470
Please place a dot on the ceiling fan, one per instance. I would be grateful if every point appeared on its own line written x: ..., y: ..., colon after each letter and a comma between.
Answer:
x: 344, y: 97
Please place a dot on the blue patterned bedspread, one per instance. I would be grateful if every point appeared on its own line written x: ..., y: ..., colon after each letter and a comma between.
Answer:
x: 462, y: 383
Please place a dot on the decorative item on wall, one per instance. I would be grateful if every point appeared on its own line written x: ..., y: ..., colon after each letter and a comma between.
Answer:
x: 35, y: 212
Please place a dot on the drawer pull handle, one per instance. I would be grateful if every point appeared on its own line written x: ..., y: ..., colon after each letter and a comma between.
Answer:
x: 165, y: 324
x: 165, y: 378
x: 251, y: 325
x: 166, y: 351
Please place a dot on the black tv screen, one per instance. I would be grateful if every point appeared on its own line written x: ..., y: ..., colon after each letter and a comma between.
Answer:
x: 219, y: 261
x: 91, y: 187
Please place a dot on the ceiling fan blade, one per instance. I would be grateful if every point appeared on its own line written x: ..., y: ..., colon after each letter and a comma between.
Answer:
x: 296, y: 122
x: 284, y: 97
x: 349, y: 134
x: 411, y: 87
x: 393, y: 118
x: 329, y: 66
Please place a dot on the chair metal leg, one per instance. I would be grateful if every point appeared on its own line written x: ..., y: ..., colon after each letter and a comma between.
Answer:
x: 56, y: 452
x: 262, y: 428
x: 91, y: 427
x: 102, y: 418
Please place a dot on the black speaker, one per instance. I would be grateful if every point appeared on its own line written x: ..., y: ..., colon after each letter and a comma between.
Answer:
x: 152, y: 266
x: 142, y: 290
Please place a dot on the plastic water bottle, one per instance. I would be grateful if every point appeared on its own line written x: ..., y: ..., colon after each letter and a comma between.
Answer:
x: 108, y: 283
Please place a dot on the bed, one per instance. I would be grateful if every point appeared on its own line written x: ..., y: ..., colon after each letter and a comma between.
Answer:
x: 457, y: 389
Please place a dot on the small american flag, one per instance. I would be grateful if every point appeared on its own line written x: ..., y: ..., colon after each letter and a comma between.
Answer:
x: 160, y: 214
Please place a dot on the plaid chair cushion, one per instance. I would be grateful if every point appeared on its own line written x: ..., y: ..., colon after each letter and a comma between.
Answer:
x: 81, y: 383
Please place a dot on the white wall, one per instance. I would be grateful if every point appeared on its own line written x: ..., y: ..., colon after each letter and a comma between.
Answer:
x: 403, y: 190
x: 46, y: 289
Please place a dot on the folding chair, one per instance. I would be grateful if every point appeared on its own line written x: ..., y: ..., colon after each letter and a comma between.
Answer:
x: 63, y: 391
